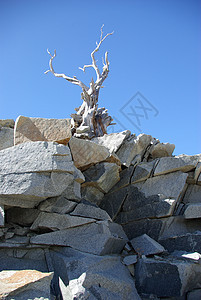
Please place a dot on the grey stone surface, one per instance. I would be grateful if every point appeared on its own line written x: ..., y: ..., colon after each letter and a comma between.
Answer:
x: 132, y: 147
x: 96, y: 238
x: 166, y: 277
x: 172, y: 164
x: 93, y: 276
x: 142, y: 171
x: 199, y: 180
x: 21, y: 216
x: 92, y: 194
x: 129, y: 260
x: 192, y: 211
x: 171, y: 185
x: 25, y: 179
x: 158, y: 278
x: 86, y: 152
x: 56, y: 221
x: 21, y: 230
x: 60, y: 205
x: 194, y: 295
x: 136, y: 206
x: 193, y: 194
x: 15, y: 239
x: 25, y: 284
x: 2, y: 214
x: 112, y: 141
x: 178, y: 225
x: 144, y: 245
x: 37, y: 157
x: 6, y: 137
x: 190, y: 242
x: 14, y: 257
x: 112, y: 202
x: 89, y: 211
x: 72, y: 190
x: 29, y: 189
x: 162, y: 150
x: 151, y: 227
x: 125, y: 178
x: 197, y: 171
x: 103, y: 176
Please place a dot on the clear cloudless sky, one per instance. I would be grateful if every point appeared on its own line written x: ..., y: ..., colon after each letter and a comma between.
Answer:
x: 154, y: 51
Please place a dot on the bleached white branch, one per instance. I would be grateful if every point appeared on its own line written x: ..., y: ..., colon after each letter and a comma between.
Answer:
x: 74, y: 79
x: 94, y: 65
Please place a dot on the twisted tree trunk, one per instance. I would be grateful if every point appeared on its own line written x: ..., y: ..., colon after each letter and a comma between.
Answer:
x: 89, y: 120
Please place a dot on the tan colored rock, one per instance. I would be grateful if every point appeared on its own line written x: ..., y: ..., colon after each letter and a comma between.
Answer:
x: 162, y: 150
x: 25, y: 284
x: 86, y: 153
x: 41, y: 129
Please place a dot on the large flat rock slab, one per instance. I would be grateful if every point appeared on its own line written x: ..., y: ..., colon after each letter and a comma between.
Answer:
x: 34, y: 171
x: 36, y: 157
x: 29, y: 189
x: 56, y: 221
x: 182, y: 163
x: 98, y: 238
x: 41, y: 129
x: 171, y: 185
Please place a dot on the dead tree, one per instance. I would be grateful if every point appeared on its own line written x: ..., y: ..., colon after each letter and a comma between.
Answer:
x: 89, y: 120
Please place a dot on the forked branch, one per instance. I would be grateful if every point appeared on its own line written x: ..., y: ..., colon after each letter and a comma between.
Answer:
x: 94, y: 65
x: 70, y: 79
x: 89, y: 120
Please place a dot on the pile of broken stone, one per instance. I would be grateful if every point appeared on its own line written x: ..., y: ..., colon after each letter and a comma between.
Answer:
x: 114, y: 217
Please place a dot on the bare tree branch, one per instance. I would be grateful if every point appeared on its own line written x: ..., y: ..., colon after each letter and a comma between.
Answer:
x: 74, y: 79
x: 89, y: 120
x: 94, y: 65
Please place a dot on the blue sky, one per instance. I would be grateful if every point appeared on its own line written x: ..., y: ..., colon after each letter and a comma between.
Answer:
x: 154, y: 57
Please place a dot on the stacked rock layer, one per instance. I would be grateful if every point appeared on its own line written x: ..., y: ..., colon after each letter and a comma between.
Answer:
x: 115, y: 217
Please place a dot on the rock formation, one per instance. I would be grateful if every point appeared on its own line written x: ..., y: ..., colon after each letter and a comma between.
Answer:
x: 116, y: 217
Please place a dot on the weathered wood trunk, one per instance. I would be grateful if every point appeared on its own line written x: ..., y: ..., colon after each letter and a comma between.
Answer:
x: 89, y: 120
